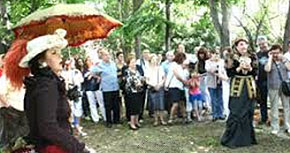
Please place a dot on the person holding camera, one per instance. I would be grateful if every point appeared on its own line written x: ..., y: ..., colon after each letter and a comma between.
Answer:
x: 216, y: 74
x: 155, y: 80
x: 239, y: 126
x: 277, y: 67
x: 73, y: 79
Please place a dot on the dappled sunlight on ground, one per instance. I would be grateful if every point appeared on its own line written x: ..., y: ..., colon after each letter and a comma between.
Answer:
x: 196, y: 137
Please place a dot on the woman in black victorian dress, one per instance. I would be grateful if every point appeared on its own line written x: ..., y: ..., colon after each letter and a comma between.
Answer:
x: 239, y: 127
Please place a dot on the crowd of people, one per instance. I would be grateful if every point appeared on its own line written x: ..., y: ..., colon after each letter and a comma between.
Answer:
x: 56, y: 94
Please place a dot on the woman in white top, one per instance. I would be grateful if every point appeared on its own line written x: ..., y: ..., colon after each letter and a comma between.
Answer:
x: 155, y: 80
x: 216, y: 73
x: 175, y: 83
x: 74, y: 78
x: 13, y: 122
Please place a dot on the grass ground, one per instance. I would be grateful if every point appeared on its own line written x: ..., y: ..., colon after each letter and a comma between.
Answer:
x: 180, y: 138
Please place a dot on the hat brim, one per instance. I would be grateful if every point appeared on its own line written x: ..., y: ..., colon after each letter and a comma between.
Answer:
x: 24, y: 63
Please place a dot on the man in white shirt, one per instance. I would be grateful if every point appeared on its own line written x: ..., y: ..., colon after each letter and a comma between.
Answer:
x: 142, y: 67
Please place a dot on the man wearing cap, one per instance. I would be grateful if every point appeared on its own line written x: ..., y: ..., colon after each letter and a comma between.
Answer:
x: 262, y: 77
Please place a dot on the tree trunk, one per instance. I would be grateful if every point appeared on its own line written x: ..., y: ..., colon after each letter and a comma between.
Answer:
x: 221, y: 28
x: 4, y: 17
x: 34, y: 5
x: 287, y: 31
x: 136, y: 5
x: 225, y: 24
x: 138, y: 46
x: 248, y: 33
x: 120, y: 6
x: 167, y: 30
x: 3, y: 12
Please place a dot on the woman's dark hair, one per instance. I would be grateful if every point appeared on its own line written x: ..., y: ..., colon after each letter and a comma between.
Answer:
x: 239, y: 40
x: 78, y: 66
x: 229, y: 52
x: 203, y: 51
x: 34, y: 64
x: 237, y: 43
x: 118, y: 54
x: 179, y: 58
x: 276, y: 46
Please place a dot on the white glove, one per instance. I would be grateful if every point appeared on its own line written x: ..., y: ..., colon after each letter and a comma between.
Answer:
x: 91, y: 150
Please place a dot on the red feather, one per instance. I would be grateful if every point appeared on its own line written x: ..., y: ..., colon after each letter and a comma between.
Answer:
x: 12, y: 71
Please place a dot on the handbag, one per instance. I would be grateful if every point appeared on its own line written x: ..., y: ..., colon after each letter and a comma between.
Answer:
x: 285, y: 85
x: 73, y: 93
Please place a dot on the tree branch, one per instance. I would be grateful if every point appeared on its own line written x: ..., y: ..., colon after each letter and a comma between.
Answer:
x: 247, y: 31
x: 225, y: 23
x: 287, y: 31
x: 214, y: 15
x: 259, y: 26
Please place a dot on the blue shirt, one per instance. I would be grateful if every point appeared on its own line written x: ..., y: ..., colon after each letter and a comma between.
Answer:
x: 108, y: 73
x: 165, y: 66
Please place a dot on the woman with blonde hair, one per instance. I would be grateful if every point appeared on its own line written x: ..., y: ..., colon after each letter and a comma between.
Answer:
x: 155, y: 80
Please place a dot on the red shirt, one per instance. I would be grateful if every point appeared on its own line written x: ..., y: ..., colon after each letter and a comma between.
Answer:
x: 194, y: 90
x: 1, y: 73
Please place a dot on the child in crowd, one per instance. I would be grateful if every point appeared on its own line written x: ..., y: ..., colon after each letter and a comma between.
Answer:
x: 195, y: 95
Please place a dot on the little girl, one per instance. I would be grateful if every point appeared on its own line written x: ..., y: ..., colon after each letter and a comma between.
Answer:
x: 195, y: 95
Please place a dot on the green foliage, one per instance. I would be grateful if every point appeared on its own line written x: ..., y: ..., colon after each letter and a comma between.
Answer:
x: 21, y: 8
x: 72, y: 52
x: 206, y: 2
x: 200, y: 33
x: 18, y: 10
x: 74, y: 1
x: 148, y: 21
x: 258, y: 20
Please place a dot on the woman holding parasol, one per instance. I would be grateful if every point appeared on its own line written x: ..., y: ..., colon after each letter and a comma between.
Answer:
x: 45, y: 101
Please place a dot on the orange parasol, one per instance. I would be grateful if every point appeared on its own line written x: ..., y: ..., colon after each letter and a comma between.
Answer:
x: 81, y: 22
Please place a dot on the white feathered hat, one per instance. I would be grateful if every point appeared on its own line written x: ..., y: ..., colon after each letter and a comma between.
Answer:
x: 40, y: 44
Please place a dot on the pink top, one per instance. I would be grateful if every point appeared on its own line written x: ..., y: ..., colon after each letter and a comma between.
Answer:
x: 194, y: 90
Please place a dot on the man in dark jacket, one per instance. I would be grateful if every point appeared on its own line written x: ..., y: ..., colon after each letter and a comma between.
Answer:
x: 262, y: 77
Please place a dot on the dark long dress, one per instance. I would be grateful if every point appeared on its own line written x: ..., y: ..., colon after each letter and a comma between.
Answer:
x: 48, y: 112
x: 239, y: 127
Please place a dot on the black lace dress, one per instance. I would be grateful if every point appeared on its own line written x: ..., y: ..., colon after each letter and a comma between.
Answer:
x: 239, y: 126
x: 48, y: 111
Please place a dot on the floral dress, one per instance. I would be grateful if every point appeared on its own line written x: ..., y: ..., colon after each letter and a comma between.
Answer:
x: 134, y: 87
